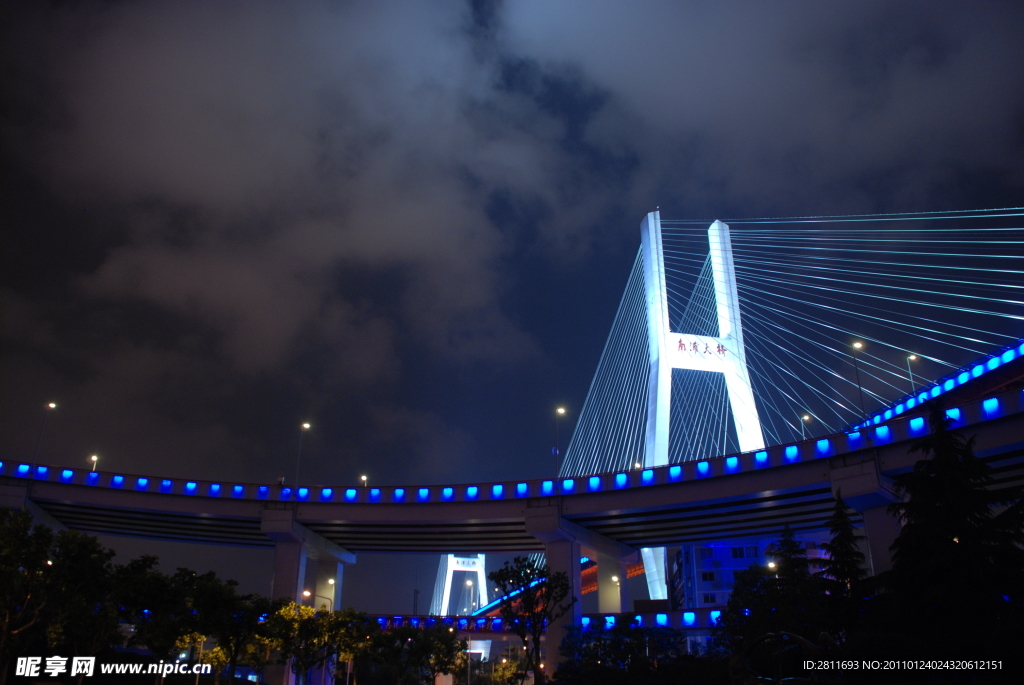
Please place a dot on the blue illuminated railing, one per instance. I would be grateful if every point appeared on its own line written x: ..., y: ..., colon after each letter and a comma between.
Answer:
x: 946, y: 383
x: 691, y: 619
x: 886, y: 432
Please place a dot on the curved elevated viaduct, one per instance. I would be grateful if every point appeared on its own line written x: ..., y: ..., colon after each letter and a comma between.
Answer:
x: 315, y: 531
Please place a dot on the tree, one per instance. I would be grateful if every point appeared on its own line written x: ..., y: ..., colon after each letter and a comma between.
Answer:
x: 236, y: 621
x: 633, y: 654
x: 351, y: 633
x: 305, y: 637
x: 192, y: 644
x: 531, y: 598
x: 218, y: 660
x: 80, y: 617
x: 153, y: 603
x: 24, y: 552
x: 259, y: 653
x: 410, y: 656
x: 958, y: 562
x: 779, y: 597
x: 845, y: 565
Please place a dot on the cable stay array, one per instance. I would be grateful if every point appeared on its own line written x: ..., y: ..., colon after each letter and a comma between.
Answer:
x: 921, y: 294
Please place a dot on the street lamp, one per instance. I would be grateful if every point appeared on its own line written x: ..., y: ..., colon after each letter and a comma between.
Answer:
x: 330, y: 602
x: 910, y: 373
x: 856, y: 369
x: 803, y: 420
x: 363, y: 478
x: 559, y: 413
x: 94, y: 459
x: 50, y: 406
x: 298, y: 459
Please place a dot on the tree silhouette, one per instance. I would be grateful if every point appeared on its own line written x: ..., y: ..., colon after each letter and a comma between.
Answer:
x: 958, y: 564
x: 845, y: 564
x: 781, y: 596
x: 531, y: 598
x: 24, y: 551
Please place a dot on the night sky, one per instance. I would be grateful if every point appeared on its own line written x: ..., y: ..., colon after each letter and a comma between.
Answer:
x: 410, y: 223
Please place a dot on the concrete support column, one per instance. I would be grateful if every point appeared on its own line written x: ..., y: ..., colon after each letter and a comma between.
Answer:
x: 303, y: 562
x: 612, y: 590
x: 16, y: 497
x: 563, y: 542
x: 563, y: 556
x: 864, y: 488
x: 290, y: 561
x: 881, y: 529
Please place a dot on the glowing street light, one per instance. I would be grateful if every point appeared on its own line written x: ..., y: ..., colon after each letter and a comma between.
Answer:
x: 913, y: 357
x: 94, y: 458
x: 803, y: 421
x: 50, y: 406
x: 298, y: 459
x: 856, y: 369
x: 559, y: 413
x: 363, y: 478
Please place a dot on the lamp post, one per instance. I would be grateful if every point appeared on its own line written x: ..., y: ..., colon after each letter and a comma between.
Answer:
x: 50, y: 406
x: 910, y: 373
x: 803, y: 420
x: 298, y: 459
x: 94, y: 458
x: 330, y: 602
x: 856, y: 369
x: 363, y: 478
x: 330, y: 608
x: 559, y: 413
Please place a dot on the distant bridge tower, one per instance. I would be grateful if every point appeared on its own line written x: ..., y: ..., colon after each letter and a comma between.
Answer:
x: 472, y: 593
x: 670, y: 350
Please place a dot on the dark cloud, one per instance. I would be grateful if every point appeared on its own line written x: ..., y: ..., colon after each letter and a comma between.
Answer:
x: 410, y: 222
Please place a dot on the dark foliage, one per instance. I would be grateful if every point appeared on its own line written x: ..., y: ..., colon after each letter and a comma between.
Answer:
x: 783, y: 596
x: 409, y: 656
x: 532, y: 597
x: 626, y: 655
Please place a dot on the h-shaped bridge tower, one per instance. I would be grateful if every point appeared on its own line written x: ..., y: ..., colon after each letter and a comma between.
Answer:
x: 670, y: 350
x: 708, y: 338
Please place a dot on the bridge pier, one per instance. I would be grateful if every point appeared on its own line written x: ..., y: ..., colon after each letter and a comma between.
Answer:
x: 16, y: 497
x: 612, y: 591
x: 304, y: 562
x: 864, y: 488
x: 564, y: 543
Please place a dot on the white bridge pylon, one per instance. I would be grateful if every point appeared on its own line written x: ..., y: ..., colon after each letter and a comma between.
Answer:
x: 723, y: 354
x: 477, y: 593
